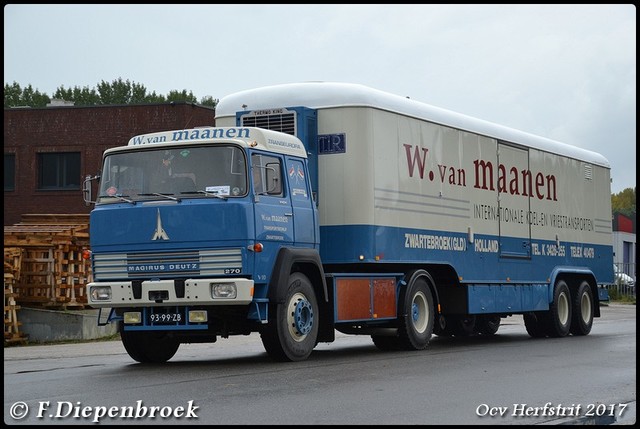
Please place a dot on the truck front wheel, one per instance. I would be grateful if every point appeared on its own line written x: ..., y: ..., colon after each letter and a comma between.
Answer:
x: 149, y: 347
x: 292, y: 330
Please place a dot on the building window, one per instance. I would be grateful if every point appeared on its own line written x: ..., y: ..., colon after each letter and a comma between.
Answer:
x: 9, y: 172
x: 59, y: 171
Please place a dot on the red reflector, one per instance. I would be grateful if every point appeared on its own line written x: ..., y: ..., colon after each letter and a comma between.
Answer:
x: 257, y: 247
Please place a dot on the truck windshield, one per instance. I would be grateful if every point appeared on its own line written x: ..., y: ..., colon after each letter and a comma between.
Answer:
x: 202, y: 171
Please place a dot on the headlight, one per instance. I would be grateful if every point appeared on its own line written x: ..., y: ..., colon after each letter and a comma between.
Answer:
x: 198, y: 316
x: 224, y: 290
x: 131, y: 317
x: 101, y: 293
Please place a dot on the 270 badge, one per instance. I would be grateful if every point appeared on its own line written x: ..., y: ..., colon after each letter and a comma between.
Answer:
x: 232, y: 270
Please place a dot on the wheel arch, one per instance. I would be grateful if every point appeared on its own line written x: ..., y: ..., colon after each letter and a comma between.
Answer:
x: 307, y: 262
x: 574, y: 277
x: 413, y: 275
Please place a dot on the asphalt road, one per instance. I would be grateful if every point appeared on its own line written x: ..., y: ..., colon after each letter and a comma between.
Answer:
x: 506, y: 379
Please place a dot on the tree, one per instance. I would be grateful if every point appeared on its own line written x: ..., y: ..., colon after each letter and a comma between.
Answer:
x: 118, y: 91
x: 208, y: 100
x: 80, y: 96
x: 624, y: 202
x: 15, y: 96
x: 182, y: 96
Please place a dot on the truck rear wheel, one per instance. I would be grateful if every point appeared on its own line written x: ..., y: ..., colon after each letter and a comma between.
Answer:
x: 292, y: 330
x: 149, y: 347
x: 583, y: 310
x: 416, y: 324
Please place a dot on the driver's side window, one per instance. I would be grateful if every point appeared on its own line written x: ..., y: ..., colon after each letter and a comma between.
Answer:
x: 267, y: 175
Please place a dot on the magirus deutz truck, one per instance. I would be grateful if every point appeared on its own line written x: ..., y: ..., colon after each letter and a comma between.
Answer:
x: 318, y: 207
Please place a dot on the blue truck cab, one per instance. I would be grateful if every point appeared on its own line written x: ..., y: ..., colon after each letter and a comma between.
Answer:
x: 186, y: 231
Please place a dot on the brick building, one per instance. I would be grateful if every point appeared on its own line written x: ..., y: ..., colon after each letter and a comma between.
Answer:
x: 48, y: 151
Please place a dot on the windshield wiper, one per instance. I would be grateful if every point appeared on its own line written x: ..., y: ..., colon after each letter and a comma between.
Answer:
x: 156, y: 194
x: 120, y: 197
x: 207, y: 193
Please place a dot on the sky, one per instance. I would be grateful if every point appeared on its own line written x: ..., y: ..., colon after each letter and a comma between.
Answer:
x: 565, y: 72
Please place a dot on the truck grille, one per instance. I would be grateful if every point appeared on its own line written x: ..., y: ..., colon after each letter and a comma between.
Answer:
x: 271, y: 119
x: 158, y: 264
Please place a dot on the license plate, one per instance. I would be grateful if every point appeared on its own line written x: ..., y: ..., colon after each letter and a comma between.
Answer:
x: 160, y: 318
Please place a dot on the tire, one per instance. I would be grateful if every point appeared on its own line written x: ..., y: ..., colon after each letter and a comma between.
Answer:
x: 465, y: 326
x: 292, y: 331
x: 559, y: 315
x: 459, y: 326
x: 487, y: 325
x: 583, y: 310
x: 149, y: 346
x: 535, y: 324
x: 440, y: 327
x: 386, y: 343
x: 417, y: 316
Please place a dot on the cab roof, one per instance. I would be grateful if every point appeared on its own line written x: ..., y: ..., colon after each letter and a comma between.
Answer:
x: 248, y: 137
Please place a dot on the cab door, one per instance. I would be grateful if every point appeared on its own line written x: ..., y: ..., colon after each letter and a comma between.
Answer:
x: 273, y: 212
x: 304, y: 212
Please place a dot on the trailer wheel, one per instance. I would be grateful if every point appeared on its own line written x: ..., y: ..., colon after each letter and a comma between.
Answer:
x: 386, y: 343
x: 583, y: 310
x: 535, y: 325
x: 416, y: 324
x: 148, y: 347
x: 487, y: 325
x: 292, y: 331
x: 559, y: 315
x: 465, y: 326
x: 440, y: 326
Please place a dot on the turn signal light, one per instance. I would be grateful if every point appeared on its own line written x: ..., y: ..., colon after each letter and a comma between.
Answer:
x: 256, y: 247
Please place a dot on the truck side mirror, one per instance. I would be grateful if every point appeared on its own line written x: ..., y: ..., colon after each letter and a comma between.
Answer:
x: 86, y: 188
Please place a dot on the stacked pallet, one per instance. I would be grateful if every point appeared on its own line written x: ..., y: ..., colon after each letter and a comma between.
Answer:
x: 53, y: 273
x: 12, y: 261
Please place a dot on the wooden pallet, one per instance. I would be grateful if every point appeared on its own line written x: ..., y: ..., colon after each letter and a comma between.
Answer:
x: 12, y: 333
x: 52, y: 272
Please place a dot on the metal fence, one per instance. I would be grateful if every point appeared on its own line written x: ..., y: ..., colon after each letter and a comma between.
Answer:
x: 624, y: 281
